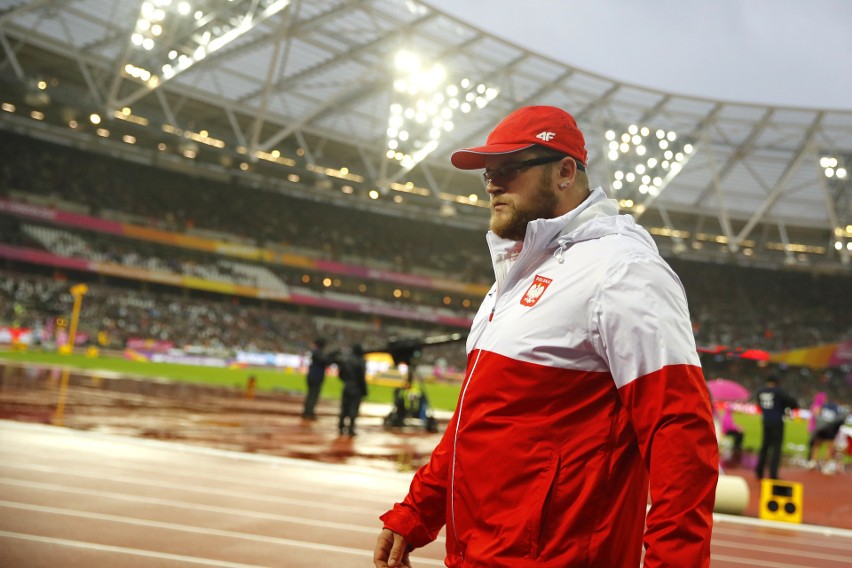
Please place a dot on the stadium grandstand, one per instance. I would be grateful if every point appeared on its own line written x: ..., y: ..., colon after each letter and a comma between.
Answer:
x: 266, y: 153
x: 244, y: 177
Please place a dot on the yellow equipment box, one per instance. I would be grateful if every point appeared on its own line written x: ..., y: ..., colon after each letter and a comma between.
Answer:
x: 781, y: 500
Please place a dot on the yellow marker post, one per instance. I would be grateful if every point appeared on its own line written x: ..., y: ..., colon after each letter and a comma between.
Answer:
x: 78, y: 292
x: 781, y: 500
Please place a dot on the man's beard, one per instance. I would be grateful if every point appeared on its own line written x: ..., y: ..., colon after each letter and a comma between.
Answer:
x: 511, y: 222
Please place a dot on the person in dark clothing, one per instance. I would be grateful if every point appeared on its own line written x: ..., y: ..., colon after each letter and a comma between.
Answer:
x: 774, y: 404
x: 352, y: 370
x: 828, y: 420
x: 732, y: 430
x: 320, y: 361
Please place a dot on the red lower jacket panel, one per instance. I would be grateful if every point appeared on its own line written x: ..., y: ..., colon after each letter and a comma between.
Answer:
x: 547, y: 467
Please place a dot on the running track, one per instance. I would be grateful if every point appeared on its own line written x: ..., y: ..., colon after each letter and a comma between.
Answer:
x: 76, y: 498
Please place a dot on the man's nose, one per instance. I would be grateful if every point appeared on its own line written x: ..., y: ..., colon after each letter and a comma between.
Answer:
x: 493, y: 188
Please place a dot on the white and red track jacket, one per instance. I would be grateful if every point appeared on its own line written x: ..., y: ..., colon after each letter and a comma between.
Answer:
x: 583, y: 385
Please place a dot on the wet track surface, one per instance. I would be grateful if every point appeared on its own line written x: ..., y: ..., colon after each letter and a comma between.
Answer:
x: 290, y: 492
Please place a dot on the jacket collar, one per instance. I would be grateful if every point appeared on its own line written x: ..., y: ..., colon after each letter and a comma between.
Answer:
x: 545, y: 235
x: 542, y: 233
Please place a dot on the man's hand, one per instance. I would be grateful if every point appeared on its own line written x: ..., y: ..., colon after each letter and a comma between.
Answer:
x: 391, y: 551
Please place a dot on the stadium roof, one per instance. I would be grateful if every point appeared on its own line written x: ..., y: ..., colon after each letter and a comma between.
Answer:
x: 334, y: 99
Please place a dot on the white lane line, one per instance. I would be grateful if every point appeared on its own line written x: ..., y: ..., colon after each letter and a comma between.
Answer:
x: 196, y: 507
x: 781, y: 549
x: 739, y: 561
x: 53, y: 433
x: 277, y: 479
x: 341, y: 493
x: 124, y: 550
x: 190, y: 506
x: 828, y: 541
x: 290, y: 480
x: 201, y: 531
x: 792, y: 527
x: 101, y: 478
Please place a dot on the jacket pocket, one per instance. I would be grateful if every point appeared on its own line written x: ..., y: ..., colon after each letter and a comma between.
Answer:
x: 540, y: 506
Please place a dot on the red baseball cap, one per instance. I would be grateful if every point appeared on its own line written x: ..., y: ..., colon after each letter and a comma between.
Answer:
x: 526, y: 127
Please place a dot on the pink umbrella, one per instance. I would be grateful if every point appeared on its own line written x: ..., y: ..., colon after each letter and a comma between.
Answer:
x: 723, y: 390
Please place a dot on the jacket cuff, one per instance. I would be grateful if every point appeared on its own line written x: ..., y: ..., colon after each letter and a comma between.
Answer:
x: 402, y: 520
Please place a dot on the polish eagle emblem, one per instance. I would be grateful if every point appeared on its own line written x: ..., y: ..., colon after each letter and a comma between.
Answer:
x: 535, y: 291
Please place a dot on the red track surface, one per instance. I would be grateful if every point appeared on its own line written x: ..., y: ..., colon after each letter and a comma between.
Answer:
x: 90, y: 499
x: 236, y: 482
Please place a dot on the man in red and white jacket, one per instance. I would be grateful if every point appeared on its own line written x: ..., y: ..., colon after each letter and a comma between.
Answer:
x: 583, y: 388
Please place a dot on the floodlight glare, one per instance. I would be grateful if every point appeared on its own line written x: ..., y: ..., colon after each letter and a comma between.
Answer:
x: 163, y: 33
x: 423, y: 106
x: 407, y: 61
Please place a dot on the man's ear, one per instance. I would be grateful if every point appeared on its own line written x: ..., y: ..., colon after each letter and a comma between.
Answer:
x: 567, y: 172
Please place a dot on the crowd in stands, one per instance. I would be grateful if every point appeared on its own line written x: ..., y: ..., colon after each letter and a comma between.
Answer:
x: 772, y: 310
x: 162, y: 259
x: 730, y: 305
x: 113, y: 314
x: 106, y: 186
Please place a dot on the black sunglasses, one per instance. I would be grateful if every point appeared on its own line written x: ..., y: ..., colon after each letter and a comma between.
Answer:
x: 511, y: 170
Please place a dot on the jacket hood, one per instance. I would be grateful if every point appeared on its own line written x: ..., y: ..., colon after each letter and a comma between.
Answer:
x: 596, y: 217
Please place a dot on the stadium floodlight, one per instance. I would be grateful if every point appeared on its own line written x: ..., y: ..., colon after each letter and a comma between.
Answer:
x: 838, y: 192
x: 644, y: 161
x: 833, y: 167
x: 423, y: 105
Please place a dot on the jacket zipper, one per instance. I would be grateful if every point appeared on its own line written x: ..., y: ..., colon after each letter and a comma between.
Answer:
x: 458, y: 422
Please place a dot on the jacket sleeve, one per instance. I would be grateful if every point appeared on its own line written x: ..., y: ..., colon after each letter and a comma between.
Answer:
x: 642, y: 328
x: 420, y: 516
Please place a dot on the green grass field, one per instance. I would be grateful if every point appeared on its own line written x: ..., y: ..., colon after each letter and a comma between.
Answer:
x: 441, y: 396
x: 795, y: 432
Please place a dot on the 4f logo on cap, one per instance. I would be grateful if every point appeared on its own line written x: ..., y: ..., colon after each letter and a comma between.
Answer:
x: 535, y: 291
x: 546, y: 136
